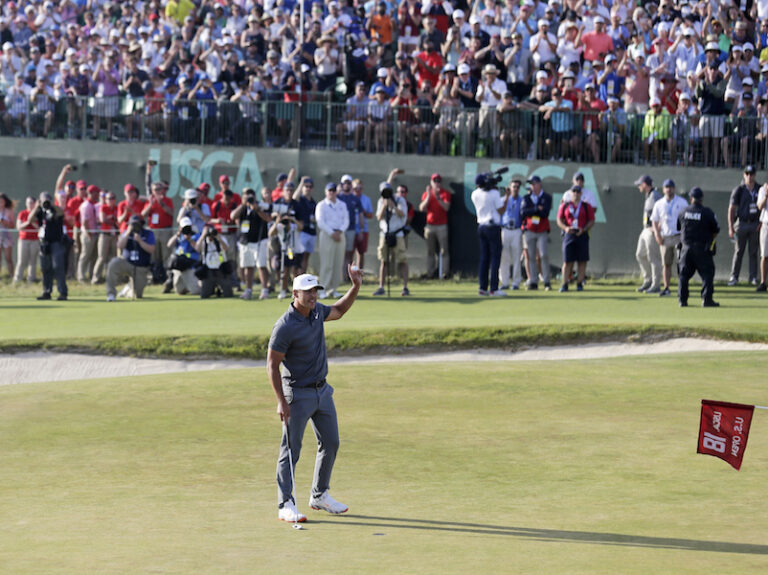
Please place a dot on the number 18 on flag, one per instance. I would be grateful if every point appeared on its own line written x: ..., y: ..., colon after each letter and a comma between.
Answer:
x: 724, y: 429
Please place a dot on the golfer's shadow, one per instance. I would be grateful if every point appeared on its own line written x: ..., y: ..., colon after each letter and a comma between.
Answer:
x: 553, y: 535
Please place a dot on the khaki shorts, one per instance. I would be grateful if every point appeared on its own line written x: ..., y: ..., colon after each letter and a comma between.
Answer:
x: 763, y: 240
x: 668, y: 246
x: 253, y: 255
x: 396, y: 253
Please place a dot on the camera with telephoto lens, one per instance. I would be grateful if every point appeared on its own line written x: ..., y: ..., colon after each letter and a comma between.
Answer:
x: 136, y: 228
x: 489, y: 180
x: 211, y: 230
x: 47, y: 205
x: 186, y: 230
x: 387, y: 193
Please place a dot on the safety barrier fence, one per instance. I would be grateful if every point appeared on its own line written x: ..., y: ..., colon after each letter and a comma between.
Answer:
x: 316, y: 121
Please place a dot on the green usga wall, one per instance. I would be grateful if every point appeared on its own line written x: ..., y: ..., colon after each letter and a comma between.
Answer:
x: 31, y: 166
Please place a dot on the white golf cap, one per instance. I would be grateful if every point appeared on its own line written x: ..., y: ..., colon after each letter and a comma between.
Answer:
x: 382, y: 73
x: 599, y: 20
x: 685, y: 96
x: 458, y: 14
x: 190, y: 194
x: 185, y: 222
x: 712, y: 46
x: 474, y: 19
x: 655, y: 101
x: 346, y: 178
x: 747, y: 82
x: 463, y: 69
x: 306, y: 282
x: 749, y: 46
x: 541, y: 74
x: 737, y: 48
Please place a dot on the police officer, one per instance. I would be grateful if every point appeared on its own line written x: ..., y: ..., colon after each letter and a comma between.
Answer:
x: 699, y: 228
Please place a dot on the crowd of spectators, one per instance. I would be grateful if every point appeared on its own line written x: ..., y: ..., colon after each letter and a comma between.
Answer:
x: 570, y: 79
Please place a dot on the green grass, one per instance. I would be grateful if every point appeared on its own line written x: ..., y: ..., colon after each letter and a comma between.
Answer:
x: 566, y: 467
x: 438, y: 316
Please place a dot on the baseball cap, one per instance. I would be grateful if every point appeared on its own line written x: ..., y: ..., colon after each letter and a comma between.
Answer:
x: 190, y: 194
x: 184, y: 222
x: 223, y: 178
x: 129, y: 187
x: 696, y: 193
x: 578, y: 176
x: 381, y: 73
x: 81, y: 184
x: 436, y: 177
x: 280, y: 177
x: 712, y: 46
x: 204, y: 187
x: 685, y: 96
x: 534, y: 180
x: 644, y: 179
x: 576, y: 188
x: 463, y: 69
x: 306, y: 282
x: 346, y: 178
x: 330, y: 186
x: 669, y: 183
x: 599, y: 20
x: 750, y: 169
x: 93, y: 189
x: 384, y: 186
x: 655, y: 101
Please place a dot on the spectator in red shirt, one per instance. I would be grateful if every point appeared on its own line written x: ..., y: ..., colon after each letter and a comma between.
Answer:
x: 72, y: 221
x: 204, y: 189
x: 575, y: 218
x: 28, y: 247
x: 221, y: 217
x: 590, y: 123
x: 436, y: 201
x: 132, y: 205
x: 597, y: 44
x: 107, y: 248
x: 158, y: 214
x: 281, y: 180
x: 430, y: 63
x: 403, y: 102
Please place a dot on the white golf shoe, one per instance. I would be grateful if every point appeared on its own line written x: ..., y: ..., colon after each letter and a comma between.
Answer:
x: 290, y: 514
x: 327, y: 503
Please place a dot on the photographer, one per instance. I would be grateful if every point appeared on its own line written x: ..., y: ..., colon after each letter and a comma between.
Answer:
x: 136, y: 246
x: 489, y: 205
x: 53, y: 250
x: 215, y: 271
x: 286, y: 228
x: 221, y: 218
x: 392, y: 213
x: 194, y: 209
x: 184, y: 260
x: 252, y: 218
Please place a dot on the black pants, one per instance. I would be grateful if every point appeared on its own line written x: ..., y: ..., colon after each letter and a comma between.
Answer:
x: 213, y: 279
x: 53, y: 263
x: 490, y: 256
x: 747, y: 240
x: 696, y: 258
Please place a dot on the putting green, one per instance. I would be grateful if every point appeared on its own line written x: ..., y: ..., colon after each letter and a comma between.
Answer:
x: 559, y: 467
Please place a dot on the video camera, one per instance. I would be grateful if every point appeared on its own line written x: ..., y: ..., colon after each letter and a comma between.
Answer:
x: 489, y: 180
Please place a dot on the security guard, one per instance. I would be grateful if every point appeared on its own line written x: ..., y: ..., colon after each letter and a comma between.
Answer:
x: 699, y: 228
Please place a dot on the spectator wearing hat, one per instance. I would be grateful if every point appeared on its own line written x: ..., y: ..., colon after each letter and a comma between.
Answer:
x: 597, y: 43
x: 575, y: 218
x: 518, y: 62
x: 108, y: 231
x: 198, y: 211
x: 489, y: 95
x: 158, y: 213
x: 436, y: 202
x: 185, y: 257
x: 443, y: 138
x: 253, y: 218
x: 43, y: 105
x: 569, y: 46
x: 686, y: 51
x: 332, y: 219
x: 489, y: 206
x: 638, y: 75
x: 591, y: 108
x: 609, y: 82
x: 738, y: 71
x: 456, y: 36
x: 613, y: 123
x: 656, y: 130
x: 16, y: 104
x: 746, y: 128
x: 559, y: 136
x: 224, y: 204
x: 685, y: 127
x: 710, y: 91
x: 743, y: 223
x: 355, y: 117
x: 543, y: 44
x: 132, y: 205
x: 647, y: 254
x: 699, y: 228
x: 465, y: 88
x: 535, y: 210
x: 379, y: 114
x: 664, y: 216
x: 135, y: 246
x: 327, y: 63
x: 661, y: 65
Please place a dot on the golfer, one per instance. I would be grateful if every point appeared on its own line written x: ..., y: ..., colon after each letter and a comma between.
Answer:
x: 303, y: 394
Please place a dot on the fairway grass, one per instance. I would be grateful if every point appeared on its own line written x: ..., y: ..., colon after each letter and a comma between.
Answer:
x: 560, y: 467
x: 439, y: 316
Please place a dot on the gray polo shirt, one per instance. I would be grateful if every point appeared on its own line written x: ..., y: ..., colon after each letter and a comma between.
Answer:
x: 302, y: 340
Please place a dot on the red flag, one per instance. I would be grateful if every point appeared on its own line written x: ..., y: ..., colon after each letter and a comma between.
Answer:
x: 724, y: 429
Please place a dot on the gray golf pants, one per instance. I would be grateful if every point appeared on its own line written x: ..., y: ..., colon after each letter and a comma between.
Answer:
x: 315, y: 405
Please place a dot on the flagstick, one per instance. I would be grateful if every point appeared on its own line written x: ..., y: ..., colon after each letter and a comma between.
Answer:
x: 760, y: 407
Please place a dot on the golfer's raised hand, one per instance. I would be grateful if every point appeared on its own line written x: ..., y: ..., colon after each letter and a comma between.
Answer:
x: 355, y: 274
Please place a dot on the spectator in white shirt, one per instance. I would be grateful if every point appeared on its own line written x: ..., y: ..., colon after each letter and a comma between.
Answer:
x: 332, y: 218
x: 664, y: 219
x: 489, y: 94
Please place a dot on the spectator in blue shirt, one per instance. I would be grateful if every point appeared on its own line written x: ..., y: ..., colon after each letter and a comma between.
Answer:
x: 511, y: 239
x: 185, y: 259
x: 355, y: 209
x: 610, y: 83
x: 361, y: 229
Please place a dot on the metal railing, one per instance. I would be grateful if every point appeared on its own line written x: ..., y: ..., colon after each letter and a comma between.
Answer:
x: 319, y: 122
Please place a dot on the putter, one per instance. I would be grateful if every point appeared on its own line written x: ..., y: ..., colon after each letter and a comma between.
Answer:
x: 296, y: 524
